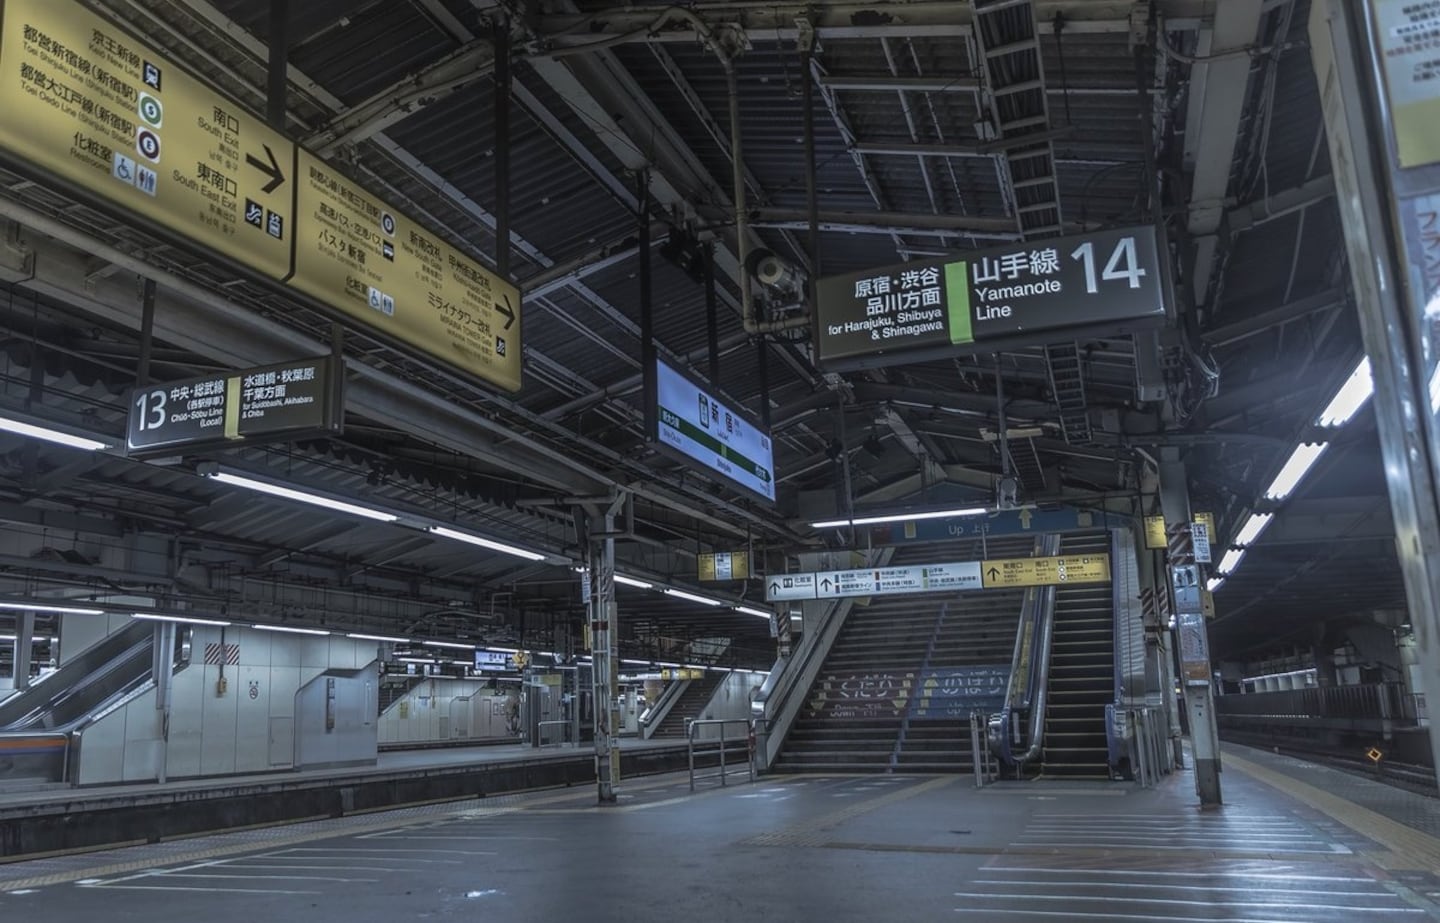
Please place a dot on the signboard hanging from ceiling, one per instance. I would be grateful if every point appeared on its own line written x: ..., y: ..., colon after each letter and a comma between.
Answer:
x: 698, y: 428
x: 380, y: 268
x: 1103, y: 281
x: 724, y: 566
x: 283, y: 401
x: 100, y: 112
x: 109, y: 116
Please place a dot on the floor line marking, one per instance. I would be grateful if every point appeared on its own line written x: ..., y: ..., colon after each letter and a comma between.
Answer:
x: 1266, y: 876
x: 1148, y: 918
x: 207, y: 890
x: 1133, y: 884
x: 1175, y: 902
x: 1391, y: 834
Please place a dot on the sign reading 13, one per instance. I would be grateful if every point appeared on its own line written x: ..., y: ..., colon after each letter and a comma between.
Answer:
x: 1122, y: 264
x: 151, y: 405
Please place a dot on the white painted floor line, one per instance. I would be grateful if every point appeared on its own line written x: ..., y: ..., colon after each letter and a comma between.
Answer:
x: 1220, y: 874
x: 1145, y: 917
x: 207, y: 890
x: 1026, y: 883
x: 1169, y: 902
x: 1318, y: 850
x: 267, y: 877
x: 319, y: 868
x: 1167, y: 835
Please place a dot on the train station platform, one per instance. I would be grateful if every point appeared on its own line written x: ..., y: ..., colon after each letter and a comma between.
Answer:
x: 1294, y: 842
x: 50, y: 818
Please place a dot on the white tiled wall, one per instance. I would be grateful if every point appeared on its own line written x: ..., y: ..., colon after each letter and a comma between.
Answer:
x: 431, y: 712
x: 214, y: 734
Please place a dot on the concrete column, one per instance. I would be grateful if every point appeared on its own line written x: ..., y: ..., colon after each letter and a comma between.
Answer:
x: 24, y: 650
x: 1192, y: 633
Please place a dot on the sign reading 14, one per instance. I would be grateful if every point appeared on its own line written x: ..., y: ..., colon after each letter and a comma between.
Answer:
x: 1123, y: 264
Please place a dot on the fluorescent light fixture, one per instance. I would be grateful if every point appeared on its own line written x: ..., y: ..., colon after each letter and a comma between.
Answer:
x: 1214, y: 583
x: 51, y: 435
x: 702, y: 600
x: 503, y: 650
x: 289, y: 629
x: 637, y: 663
x: 662, y: 663
x: 46, y: 607
x: 386, y: 638
x: 749, y: 611
x: 1231, y: 561
x: 181, y: 619
x: 1350, y: 398
x: 36, y: 639
x: 451, y: 644
x: 1295, y: 469
x: 290, y: 493
x: 446, y: 532
x: 1252, y: 528
x: 897, y: 517
x: 416, y: 660
x: 631, y: 581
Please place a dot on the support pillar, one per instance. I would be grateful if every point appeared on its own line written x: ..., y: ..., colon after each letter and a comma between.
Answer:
x: 1186, y: 583
x: 24, y: 650
x: 278, y: 70
x: 603, y: 615
x: 1379, y: 113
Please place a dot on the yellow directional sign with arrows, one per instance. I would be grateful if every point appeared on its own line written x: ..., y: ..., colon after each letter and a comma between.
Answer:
x: 1023, y: 572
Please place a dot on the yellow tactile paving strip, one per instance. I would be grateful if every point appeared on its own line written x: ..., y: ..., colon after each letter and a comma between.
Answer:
x: 1407, y: 849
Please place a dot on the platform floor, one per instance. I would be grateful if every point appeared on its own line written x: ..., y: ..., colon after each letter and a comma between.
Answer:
x: 791, y: 848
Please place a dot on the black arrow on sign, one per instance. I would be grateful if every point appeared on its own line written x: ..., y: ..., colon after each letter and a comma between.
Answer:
x: 825, y: 583
x: 507, y: 312
x: 774, y: 586
x: 271, y: 169
x: 993, y: 572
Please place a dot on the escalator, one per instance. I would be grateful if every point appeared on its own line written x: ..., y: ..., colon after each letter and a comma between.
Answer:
x: 1082, y: 673
x: 115, y: 666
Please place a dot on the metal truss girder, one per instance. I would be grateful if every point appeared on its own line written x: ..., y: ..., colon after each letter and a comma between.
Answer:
x: 1280, y: 204
x: 776, y: 22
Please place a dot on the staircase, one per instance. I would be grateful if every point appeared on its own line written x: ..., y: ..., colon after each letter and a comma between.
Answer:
x: 1082, y: 673
x: 870, y: 709
x: 690, y: 704
x: 393, y: 688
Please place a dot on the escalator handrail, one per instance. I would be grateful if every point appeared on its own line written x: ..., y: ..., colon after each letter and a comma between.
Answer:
x: 24, y: 711
x: 1039, y: 609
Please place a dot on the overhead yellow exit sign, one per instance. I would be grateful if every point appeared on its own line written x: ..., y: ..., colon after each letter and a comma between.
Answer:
x: 1023, y: 572
x: 1155, y: 529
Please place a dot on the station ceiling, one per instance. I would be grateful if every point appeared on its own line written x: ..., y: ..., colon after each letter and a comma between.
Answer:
x: 399, y: 96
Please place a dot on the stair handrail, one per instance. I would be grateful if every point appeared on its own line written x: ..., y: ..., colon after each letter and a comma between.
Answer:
x: 777, y: 703
x: 1029, y: 668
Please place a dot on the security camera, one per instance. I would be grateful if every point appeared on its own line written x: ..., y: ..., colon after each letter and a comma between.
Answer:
x: 778, y: 275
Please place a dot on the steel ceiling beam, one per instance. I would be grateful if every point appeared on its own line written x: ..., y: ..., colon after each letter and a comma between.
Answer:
x: 918, y: 223
x: 1244, y: 217
x: 1260, y: 321
x: 1212, y: 126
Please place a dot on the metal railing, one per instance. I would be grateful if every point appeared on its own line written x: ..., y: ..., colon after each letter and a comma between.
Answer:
x: 1373, y: 702
x: 1143, y: 730
x: 723, y: 741
x: 984, y: 760
x: 562, y: 723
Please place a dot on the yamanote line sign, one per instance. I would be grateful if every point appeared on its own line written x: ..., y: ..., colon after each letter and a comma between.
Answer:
x: 1100, y: 281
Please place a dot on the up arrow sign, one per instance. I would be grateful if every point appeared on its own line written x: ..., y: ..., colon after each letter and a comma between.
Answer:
x: 1025, y: 517
x: 993, y: 573
x: 826, y: 584
x: 774, y: 586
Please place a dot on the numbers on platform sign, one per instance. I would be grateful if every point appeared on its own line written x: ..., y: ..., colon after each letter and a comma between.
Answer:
x: 1122, y: 265
x: 151, y: 405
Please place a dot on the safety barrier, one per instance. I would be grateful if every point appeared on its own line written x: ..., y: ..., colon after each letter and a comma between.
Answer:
x: 983, y: 759
x: 563, y: 724
x: 1374, y: 702
x: 722, y: 723
x: 1144, y: 728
